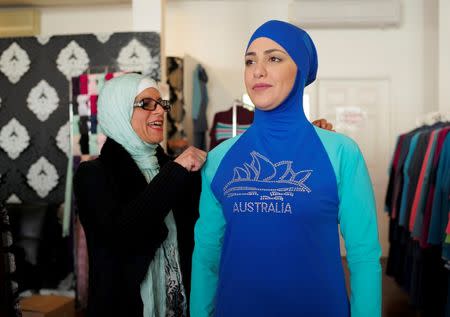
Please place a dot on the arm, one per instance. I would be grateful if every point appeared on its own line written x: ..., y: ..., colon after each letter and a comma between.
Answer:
x: 209, y: 232
x: 358, y: 223
x: 118, y: 221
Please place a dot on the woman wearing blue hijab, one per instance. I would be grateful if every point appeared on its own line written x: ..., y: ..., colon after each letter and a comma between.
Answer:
x: 267, y: 240
x: 137, y: 207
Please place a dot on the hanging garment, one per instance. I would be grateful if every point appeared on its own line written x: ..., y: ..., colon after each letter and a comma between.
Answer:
x: 441, y: 203
x: 416, y: 220
x: 199, y: 105
x: 429, y: 202
x: 417, y: 235
x: 222, y: 127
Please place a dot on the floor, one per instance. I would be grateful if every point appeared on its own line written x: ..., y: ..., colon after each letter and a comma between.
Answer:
x: 395, y: 300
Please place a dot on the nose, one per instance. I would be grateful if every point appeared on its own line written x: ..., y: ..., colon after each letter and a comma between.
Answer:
x: 158, y: 110
x: 259, y: 70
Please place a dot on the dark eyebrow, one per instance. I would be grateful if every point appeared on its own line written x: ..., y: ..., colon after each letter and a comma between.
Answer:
x: 266, y: 52
x: 274, y: 50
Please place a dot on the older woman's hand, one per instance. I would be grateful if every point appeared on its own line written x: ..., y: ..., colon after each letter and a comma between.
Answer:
x: 324, y: 124
x: 192, y: 159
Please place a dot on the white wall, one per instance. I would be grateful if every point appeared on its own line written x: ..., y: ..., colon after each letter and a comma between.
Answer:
x: 86, y: 19
x: 431, y: 54
x: 216, y: 33
x: 444, y: 56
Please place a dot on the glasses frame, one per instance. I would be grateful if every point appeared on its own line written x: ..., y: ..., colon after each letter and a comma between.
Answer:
x: 165, y: 104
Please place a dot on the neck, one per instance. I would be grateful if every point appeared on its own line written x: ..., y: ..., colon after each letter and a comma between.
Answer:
x: 286, y: 118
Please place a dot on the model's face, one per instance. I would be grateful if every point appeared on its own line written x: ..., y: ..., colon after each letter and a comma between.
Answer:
x: 148, y: 125
x: 269, y: 73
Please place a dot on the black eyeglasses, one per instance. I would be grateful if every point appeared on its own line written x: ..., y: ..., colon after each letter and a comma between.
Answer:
x: 150, y: 104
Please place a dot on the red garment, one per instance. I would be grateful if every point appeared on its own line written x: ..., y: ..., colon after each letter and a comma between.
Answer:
x: 416, y: 200
x: 447, y: 230
x: 93, y: 102
x: 84, y: 84
x: 109, y: 76
x: 397, y: 152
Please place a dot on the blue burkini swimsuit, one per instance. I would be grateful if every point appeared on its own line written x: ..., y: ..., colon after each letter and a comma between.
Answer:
x: 267, y: 240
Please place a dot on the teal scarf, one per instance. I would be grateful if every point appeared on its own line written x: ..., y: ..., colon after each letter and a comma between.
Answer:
x: 115, y: 108
x: 114, y: 115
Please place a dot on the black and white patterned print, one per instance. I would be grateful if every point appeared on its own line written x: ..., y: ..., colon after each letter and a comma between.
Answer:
x: 35, y: 73
x: 176, y: 303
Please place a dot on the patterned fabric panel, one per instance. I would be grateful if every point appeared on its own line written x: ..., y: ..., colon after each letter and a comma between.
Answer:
x: 35, y: 76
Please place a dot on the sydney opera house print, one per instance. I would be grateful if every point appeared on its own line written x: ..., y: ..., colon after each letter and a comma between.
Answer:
x: 262, y: 177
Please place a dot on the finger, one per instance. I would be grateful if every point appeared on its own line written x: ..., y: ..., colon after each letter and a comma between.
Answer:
x: 203, y: 157
x: 196, y: 167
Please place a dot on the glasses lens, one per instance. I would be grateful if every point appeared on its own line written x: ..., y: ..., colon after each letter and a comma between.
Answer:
x: 148, y: 104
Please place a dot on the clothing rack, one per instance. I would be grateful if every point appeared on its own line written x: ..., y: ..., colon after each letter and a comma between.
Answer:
x: 239, y: 103
x: 418, y: 204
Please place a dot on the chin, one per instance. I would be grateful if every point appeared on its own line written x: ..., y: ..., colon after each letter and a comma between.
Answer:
x: 154, y: 140
x: 264, y: 106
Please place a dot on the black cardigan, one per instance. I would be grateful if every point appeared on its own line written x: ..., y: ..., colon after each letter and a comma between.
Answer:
x: 123, y: 218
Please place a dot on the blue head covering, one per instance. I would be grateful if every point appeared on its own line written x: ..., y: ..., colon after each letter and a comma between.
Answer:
x: 297, y: 43
x: 115, y: 108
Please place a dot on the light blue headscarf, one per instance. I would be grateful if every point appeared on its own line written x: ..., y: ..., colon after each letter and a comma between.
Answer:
x: 115, y: 108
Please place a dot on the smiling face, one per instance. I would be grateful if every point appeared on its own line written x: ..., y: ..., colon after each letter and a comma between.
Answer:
x: 269, y: 73
x: 148, y: 125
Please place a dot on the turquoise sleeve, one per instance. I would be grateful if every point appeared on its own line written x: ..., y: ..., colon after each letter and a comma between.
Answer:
x: 208, y: 233
x: 358, y: 223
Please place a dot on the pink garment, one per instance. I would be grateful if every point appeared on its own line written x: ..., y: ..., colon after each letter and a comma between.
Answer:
x: 447, y: 230
x: 92, y: 84
x: 416, y: 200
x: 82, y: 268
x: 101, y: 139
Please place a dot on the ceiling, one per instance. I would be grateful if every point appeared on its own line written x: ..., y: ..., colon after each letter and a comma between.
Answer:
x: 16, y: 3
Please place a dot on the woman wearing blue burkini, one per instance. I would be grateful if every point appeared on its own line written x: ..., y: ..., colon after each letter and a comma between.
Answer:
x: 267, y: 240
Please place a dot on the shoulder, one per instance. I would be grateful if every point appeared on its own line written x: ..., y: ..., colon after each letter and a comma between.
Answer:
x: 338, y: 145
x: 216, y: 155
x: 89, y: 171
x: 343, y: 152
